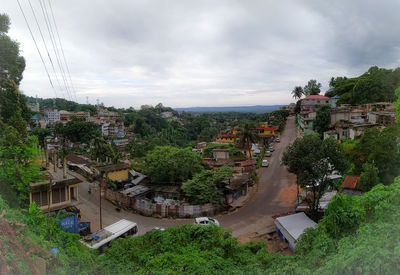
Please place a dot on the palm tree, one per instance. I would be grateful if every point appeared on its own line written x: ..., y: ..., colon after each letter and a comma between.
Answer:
x: 247, y: 136
x: 98, y: 149
x: 297, y: 92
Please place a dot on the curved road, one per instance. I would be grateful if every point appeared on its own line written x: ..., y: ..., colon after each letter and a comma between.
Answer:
x: 254, y: 217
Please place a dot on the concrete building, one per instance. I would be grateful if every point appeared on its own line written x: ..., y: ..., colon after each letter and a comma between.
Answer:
x: 312, y: 102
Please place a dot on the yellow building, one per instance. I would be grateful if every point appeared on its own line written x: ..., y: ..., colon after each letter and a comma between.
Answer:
x: 59, y: 194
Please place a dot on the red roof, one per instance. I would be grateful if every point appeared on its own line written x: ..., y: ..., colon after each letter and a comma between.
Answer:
x: 350, y: 182
x: 316, y: 97
x: 248, y: 162
x: 221, y: 150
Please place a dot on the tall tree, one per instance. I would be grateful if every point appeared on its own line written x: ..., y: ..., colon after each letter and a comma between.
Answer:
x: 297, y: 92
x: 12, y: 64
x: 247, y: 136
x: 323, y: 119
x: 313, y: 160
x: 312, y: 88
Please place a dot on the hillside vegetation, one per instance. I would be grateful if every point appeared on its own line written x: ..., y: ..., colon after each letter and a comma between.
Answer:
x: 356, y: 235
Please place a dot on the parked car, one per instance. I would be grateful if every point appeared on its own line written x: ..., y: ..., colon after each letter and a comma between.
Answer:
x: 264, y: 163
x: 268, y: 153
x: 277, y: 140
x: 205, y: 221
x: 271, y: 148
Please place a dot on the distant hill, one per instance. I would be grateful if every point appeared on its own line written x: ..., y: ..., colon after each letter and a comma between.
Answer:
x: 258, y: 109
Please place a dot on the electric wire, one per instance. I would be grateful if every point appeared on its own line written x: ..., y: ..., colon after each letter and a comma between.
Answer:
x: 45, y: 45
x: 55, y: 49
x: 62, y: 50
x: 37, y: 48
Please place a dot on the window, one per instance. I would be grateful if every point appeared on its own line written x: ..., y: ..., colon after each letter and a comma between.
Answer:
x: 40, y: 198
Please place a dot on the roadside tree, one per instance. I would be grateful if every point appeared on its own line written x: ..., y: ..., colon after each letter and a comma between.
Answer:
x: 313, y: 160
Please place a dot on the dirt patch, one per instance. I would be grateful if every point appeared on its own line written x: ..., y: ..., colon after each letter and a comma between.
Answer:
x: 288, y: 195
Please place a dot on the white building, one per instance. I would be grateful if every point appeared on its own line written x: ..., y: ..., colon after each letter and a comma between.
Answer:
x: 53, y: 116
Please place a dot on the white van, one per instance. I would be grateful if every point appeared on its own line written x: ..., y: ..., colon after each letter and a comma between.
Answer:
x: 264, y: 163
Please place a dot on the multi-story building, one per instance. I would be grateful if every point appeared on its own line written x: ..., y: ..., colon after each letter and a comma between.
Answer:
x: 52, y: 115
x: 312, y: 102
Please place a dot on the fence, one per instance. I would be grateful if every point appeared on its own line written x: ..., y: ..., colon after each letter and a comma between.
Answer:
x: 146, y: 207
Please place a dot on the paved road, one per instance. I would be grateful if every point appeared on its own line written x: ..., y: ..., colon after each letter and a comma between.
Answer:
x: 255, y: 216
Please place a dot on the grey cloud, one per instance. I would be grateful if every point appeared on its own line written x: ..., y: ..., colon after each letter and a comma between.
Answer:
x: 205, y: 53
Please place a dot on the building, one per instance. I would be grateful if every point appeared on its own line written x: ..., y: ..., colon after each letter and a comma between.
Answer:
x: 55, y: 194
x: 383, y: 118
x: 350, y: 186
x: 52, y: 116
x: 312, y: 102
x: 237, y: 186
x: 305, y: 120
x: 34, y: 107
x: 221, y: 154
x: 291, y: 227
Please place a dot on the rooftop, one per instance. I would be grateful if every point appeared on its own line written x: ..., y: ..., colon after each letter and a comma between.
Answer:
x: 350, y: 182
x: 295, y: 224
x: 316, y: 97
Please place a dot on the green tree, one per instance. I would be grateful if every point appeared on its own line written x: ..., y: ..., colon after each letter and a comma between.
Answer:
x: 206, y: 186
x: 172, y: 165
x: 12, y: 64
x: 247, y: 136
x: 312, y: 88
x: 382, y: 148
x: 297, y: 92
x: 313, y: 160
x: 323, y: 119
x: 41, y: 133
x: 79, y: 130
x: 369, y: 177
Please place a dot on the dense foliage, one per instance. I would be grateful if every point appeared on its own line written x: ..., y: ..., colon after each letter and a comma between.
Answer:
x: 376, y: 85
x: 78, y: 130
x: 207, y: 186
x: 172, y: 165
x: 381, y: 148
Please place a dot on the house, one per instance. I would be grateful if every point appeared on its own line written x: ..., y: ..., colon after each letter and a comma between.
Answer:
x: 312, y: 102
x: 220, y: 154
x: 225, y: 138
x: 382, y: 118
x: 246, y: 166
x: 56, y: 192
x: 290, y: 227
x: 305, y: 120
x: 350, y: 186
x: 264, y: 130
x: 237, y: 186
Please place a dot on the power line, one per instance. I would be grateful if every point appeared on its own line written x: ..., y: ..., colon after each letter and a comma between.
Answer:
x: 62, y: 49
x: 45, y: 45
x: 52, y: 39
x: 37, y: 48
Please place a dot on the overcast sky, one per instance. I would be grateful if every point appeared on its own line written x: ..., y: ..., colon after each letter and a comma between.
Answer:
x: 205, y: 53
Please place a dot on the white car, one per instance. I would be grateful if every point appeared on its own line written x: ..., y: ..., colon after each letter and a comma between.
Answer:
x: 264, y: 163
x: 205, y: 221
x: 268, y: 154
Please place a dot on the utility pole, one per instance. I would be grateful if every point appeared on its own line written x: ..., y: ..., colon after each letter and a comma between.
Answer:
x: 101, y: 183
